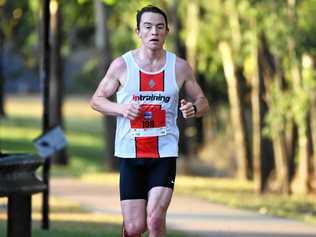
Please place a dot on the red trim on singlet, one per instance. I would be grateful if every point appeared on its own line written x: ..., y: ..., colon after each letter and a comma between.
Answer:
x: 146, y: 147
x: 151, y: 82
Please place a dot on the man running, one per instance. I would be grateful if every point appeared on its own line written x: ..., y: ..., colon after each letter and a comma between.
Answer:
x: 147, y: 81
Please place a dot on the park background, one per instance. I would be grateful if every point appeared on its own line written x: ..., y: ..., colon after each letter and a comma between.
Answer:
x: 255, y: 61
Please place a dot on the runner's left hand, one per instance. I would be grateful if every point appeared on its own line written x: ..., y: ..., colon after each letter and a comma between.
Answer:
x: 187, y: 109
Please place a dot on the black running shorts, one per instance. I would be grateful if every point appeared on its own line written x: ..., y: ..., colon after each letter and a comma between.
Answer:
x: 138, y: 176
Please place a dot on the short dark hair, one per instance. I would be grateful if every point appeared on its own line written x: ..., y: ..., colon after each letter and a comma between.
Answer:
x: 150, y: 8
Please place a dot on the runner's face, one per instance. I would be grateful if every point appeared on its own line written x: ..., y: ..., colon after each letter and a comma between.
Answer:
x: 152, y: 30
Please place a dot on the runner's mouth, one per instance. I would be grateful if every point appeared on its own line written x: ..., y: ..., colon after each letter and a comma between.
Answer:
x: 154, y: 40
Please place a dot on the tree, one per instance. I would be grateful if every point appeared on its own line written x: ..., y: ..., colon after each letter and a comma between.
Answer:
x: 228, y: 50
x: 2, y: 79
x: 180, y: 50
x: 236, y: 114
x: 278, y: 105
x: 288, y: 89
x: 57, y: 81
x: 103, y: 46
x: 191, y: 31
x: 301, y: 110
x: 257, y: 90
x: 256, y: 55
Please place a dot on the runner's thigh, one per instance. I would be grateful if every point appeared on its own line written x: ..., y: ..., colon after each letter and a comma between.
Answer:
x: 134, y: 211
x: 158, y: 201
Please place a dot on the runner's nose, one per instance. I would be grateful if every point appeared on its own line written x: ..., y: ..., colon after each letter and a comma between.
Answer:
x: 154, y: 31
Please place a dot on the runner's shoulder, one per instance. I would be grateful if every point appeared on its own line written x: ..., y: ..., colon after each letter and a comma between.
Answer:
x: 182, y: 64
x: 183, y: 67
x: 118, y: 66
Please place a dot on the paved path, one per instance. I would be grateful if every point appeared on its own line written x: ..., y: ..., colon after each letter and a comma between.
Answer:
x: 192, y: 215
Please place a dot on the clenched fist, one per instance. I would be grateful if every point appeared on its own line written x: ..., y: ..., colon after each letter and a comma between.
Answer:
x: 131, y: 111
x: 187, y: 109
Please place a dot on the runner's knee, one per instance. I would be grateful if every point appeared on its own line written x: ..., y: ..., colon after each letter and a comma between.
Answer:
x: 155, y: 221
x: 134, y: 228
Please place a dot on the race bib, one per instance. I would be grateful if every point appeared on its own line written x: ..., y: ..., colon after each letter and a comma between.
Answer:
x: 150, y: 122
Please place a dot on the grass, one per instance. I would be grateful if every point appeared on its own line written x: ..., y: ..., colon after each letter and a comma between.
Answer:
x: 239, y: 194
x: 84, y: 133
x: 68, y: 219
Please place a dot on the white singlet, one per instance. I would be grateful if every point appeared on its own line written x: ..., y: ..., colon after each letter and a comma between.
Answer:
x: 154, y: 133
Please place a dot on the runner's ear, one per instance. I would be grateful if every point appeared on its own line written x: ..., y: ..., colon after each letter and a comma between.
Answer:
x: 137, y: 32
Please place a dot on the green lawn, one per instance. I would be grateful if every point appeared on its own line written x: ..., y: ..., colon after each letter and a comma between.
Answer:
x: 84, y: 133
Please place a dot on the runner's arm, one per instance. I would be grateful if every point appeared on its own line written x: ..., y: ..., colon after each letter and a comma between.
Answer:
x: 194, y: 91
x: 108, y: 86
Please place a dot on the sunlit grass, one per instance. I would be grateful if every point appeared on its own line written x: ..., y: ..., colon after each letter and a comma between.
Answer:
x: 68, y: 219
x: 240, y: 194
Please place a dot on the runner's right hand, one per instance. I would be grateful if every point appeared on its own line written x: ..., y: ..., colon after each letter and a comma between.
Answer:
x: 131, y: 111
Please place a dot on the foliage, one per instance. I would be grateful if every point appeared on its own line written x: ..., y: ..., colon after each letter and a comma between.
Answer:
x: 280, y: 110
x: 18, y: 23
x: 306, y: 26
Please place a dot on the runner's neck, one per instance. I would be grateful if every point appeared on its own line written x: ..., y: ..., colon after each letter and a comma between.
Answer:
x: 153, y: 57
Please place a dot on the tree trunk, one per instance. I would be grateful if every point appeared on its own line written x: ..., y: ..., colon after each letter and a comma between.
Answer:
x: 240, y: 75
x: 199, y: 122
x: 2, y: 79
x: 292, y: 133
x: 45, y: 79
x: 292, y: 140
x: 237, y: 116
x: 180, y: 50
x: 262, y: 150
x: 103, y: 47
x: 192, y: 26
x: 313, y: 134
x: 57, y: 81
x: 301, y: 181
x: 192, y: 29
x: 279, y: 142
x: 257, y: 123
x: 273, y: 74
x: 281, y: 162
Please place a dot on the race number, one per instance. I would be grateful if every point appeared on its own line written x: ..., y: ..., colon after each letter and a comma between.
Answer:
x: 150, y: 122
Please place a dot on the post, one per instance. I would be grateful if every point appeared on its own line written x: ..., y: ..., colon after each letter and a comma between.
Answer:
x: 20, y: 222
x: 45, y: 72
